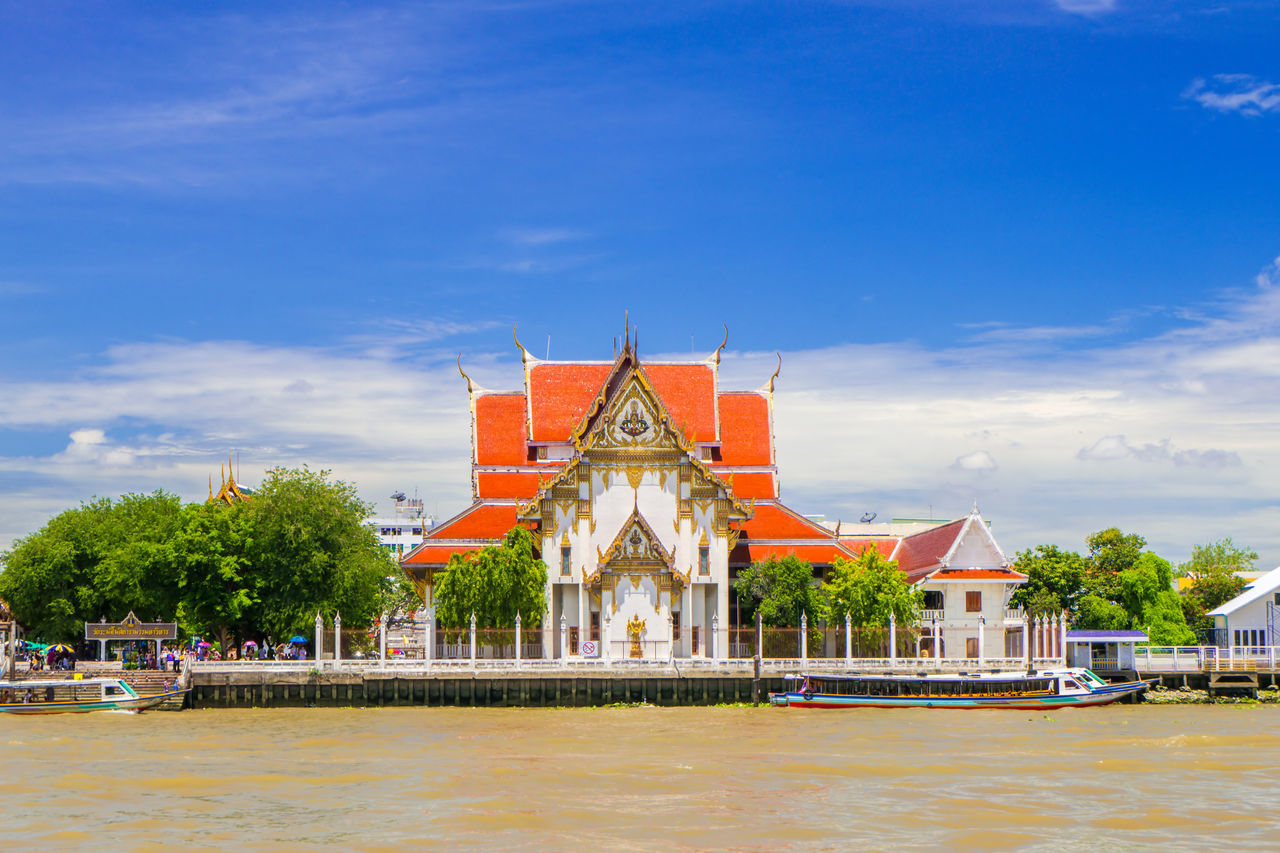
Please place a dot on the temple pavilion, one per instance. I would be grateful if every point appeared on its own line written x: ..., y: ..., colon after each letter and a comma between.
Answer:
x: 647, y: 487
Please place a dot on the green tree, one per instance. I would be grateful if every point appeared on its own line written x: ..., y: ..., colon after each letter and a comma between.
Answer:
x: 494, y: 583
x: 101, y: 559
x: 1222, y: 556
x: 780, y: 590
x: 1147, y: 594
x: 217, y: 592
x: 1100, y: 614
x: 1055, y: 580
x: 307, y: 549
x: 1110, y: 553
x: 869, y: 589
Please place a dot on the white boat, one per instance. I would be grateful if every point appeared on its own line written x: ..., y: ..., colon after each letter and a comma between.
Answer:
x: 63, y: 696
x: 1053, y: 688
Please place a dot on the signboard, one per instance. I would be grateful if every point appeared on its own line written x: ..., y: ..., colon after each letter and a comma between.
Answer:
x: 589, y: 649
x: 130, y: 629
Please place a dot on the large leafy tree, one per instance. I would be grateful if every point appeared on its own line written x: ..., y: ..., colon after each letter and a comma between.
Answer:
x: 780, y: 590
x: 868, y: 589
x: 1212, y: 569
x: 1055, y: 580
x: 101, y: 559
x: 1148, y: 597
x: 1221, y: 556
x: 1110, y: 553
x: 308, y: 550
x: 494, y: 583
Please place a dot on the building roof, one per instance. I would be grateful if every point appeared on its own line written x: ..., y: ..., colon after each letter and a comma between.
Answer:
x: 978, y: 575
x: 501, y: 436
x: 1079, y: 636
x: 921, y: 553
x: 1262, y: 587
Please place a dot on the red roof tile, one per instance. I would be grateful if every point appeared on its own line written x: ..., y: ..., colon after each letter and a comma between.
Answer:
x: 436, y: 555
x: 748, y: 485
x: 689, y: 393
x: 479, y: 521
x: 560, y: 395
x: 745, y: 434
x: 858, y: 546
x: 501, y: 437
x: 749, y: 552
x: 978, y: 574
x: 772, y: 520
x: 919, y: 553
x: 514, y: 485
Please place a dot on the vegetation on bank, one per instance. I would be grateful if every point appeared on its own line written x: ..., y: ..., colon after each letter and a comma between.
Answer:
x: 1120, y: 585
x: 259, y: 568
x: 496, y: 584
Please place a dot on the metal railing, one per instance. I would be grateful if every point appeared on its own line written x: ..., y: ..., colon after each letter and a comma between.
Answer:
x: 1205, y: 658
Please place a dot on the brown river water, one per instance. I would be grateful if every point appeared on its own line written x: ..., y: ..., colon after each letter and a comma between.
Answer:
x: 1127, y: 777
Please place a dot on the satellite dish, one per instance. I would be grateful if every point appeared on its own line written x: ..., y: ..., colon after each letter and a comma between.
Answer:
x: 868, y: 517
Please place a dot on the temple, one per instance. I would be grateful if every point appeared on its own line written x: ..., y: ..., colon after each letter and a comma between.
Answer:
x: 648, y: 487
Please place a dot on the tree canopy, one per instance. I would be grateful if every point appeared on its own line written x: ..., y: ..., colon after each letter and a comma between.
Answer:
x: 258, y: 568
x: 780, y: 590
x: 494, y: 583
x: 1055, y: 580
x: 869, y: 589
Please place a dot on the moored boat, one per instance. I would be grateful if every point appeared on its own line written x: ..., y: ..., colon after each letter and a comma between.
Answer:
x: 1053, y: 688
x: 62, y: 696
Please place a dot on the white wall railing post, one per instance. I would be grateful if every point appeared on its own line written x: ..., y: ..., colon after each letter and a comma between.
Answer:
x: 848, y: 637
x: 382, y: 639
x: 804, y: 636
x: 760, y: 635
x: 319, y: 639
x: 473, y: 638
x: 517, y: 636
x: 893, y: 640
x: 564, y: 637
x: 981, y: 655
x: 606, y: 637
x: 429, y: 630
x: 715, y: 631
x: 337, y: 639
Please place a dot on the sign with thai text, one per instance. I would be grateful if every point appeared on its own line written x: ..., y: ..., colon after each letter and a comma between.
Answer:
x: 130, y: 629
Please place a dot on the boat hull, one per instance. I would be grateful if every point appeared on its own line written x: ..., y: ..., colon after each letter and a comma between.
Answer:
x: 131, y: 703
x: 1099, y: 696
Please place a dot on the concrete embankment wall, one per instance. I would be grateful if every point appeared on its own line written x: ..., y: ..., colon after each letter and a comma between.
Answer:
x: 270, y: 690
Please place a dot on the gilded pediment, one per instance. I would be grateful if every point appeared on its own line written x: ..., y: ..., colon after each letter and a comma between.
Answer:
x: 636, y: 542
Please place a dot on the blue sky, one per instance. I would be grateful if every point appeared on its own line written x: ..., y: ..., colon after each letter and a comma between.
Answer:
x: 1017, y: 251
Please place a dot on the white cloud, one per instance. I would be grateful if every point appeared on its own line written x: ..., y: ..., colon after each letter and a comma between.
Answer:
x: 1171, y: 436
x: 1086, y: 7
x: 1238, y: 93
x: 979, y: 461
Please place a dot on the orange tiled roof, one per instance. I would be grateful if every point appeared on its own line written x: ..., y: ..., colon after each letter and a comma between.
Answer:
x: 501, y: 436
x: 559, y: 395
x: 745, y: 434
x: 480, y: 521
x: 689, y: 393
x: 858, y: 546
x: 749, y: 484
x: 979, y: 574
x: 772, y: 520
x: 749, y: 552
x: 436, y: 555
x: 513, y: 485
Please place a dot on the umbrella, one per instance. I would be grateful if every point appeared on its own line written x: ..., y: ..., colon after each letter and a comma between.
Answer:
x: 248, y: 643
x: 296, y: 639
x: 203, y: 645
x: 60, y: 649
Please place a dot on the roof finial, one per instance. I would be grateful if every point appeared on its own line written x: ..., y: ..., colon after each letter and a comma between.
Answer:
x: 626, y: 331
x: 524, y: 353
x: 464, y: 373
x: 716, y: 354
x: 210, y: 488
x: 775, y: 373
x: 974, y: 511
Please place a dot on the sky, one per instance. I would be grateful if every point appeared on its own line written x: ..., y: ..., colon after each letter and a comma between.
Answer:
x: 1023, y: 253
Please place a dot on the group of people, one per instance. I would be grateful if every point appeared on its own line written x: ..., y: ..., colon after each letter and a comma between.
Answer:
x: 250, y: 651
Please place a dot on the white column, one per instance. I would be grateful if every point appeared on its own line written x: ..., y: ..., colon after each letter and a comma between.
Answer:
x: 606, y: 628
x: 671, y: 636
x: 893, y: 639
x: 517, y: 636
x: 382, y: 637
x: 759, y: 635
x: 430, y: 634
x: 564, y: 637
x: 715, y: 630
x: 981, y: 653
x: 848, y: 637
x: 319, y: 638
x: 1026, y: 635
x: 337, y: 637
x: 1062, y: 635
x: 804, y: 636
x: 473, y: 639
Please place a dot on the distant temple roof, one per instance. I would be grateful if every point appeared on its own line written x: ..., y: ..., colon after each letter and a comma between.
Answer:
x: 230, y: 491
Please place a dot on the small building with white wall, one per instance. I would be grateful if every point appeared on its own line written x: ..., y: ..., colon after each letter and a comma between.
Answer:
x: 1249, y: 619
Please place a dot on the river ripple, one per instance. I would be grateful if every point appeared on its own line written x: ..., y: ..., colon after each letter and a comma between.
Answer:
x: 1123, y: 777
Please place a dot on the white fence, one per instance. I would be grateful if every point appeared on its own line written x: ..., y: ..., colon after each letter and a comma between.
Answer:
x: 1204, y: 658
